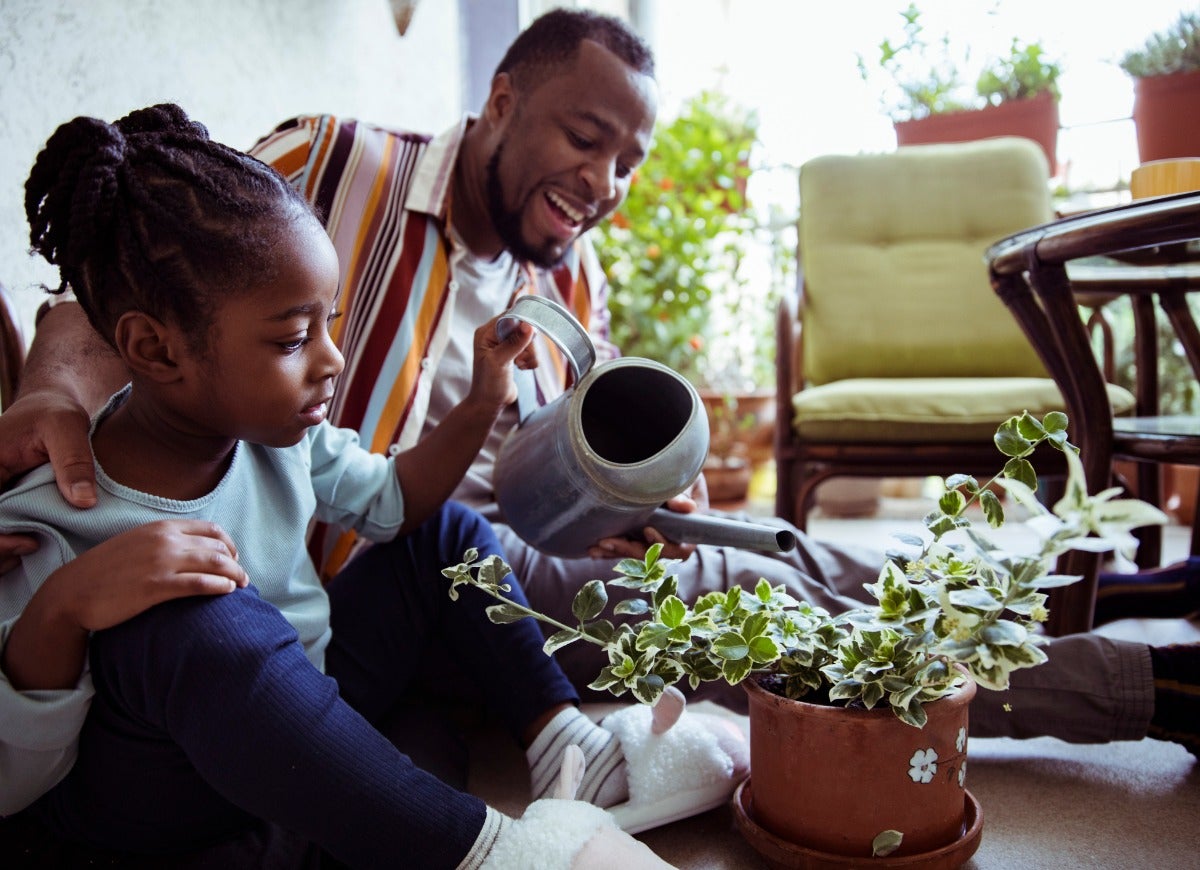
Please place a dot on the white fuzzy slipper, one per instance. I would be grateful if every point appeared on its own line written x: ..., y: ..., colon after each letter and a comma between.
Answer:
x: 678, y: 765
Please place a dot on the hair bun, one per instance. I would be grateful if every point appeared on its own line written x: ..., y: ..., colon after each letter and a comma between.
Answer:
x: 163, y: 118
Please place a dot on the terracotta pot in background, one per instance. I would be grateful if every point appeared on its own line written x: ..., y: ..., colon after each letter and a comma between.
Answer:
x: 1035, y: 118
x: 1166, y: 115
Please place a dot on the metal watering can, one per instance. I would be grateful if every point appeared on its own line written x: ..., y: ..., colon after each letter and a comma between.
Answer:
x: 601, y: 459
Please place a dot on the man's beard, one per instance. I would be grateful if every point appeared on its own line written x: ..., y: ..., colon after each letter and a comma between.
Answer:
x: 508, y: 221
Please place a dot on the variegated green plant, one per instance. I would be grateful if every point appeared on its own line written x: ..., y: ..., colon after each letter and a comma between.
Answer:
x: 952, y: 606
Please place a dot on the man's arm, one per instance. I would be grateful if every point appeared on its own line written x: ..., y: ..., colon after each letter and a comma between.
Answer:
x: 69, y: 374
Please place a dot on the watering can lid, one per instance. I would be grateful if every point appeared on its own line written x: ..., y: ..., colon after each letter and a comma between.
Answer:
x: 556, y: 323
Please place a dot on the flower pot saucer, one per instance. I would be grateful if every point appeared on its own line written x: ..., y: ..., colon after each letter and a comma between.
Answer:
x: 783, y: 855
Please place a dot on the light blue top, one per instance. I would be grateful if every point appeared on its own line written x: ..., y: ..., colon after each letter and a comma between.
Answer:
x: 264, y: 502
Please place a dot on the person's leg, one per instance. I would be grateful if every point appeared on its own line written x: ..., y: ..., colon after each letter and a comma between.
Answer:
x: 1096, y: 689
x: 395, y: 626
x: 1169, y: 592
x: 208, y: 713
x: 396, y: 629
x: 1093, y: 689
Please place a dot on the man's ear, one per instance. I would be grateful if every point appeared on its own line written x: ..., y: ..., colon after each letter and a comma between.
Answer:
x: 148, y: 347
x: 502, y: 99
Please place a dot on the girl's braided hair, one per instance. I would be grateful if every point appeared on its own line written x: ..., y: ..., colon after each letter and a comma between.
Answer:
x: 150, y: 214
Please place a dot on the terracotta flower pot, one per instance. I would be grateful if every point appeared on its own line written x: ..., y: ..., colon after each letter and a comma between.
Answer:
x: 1166, y: 115
x: 830, y: 779
x: 1035, y: 118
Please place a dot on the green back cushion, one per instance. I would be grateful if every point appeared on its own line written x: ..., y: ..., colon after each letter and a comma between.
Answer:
x: 892, y: 250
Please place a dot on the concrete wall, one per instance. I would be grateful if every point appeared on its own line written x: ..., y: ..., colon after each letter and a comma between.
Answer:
x: 238, y: 66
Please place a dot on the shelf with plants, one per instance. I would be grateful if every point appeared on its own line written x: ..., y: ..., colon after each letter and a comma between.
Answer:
x: 923, y: 88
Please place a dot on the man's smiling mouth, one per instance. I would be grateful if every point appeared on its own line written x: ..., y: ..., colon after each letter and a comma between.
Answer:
x: 571, y: 213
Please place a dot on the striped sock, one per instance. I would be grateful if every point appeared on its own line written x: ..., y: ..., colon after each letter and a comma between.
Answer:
x: 1177, y: 695
x: 605, y: 782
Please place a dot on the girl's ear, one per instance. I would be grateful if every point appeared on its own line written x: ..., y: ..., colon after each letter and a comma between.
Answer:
x: 148, y: 346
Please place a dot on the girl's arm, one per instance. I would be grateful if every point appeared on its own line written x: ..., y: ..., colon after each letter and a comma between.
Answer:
x: 430, y: 471
x: 110, y: 583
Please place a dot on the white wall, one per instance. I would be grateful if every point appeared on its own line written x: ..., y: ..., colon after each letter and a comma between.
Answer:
x: 238, y: 66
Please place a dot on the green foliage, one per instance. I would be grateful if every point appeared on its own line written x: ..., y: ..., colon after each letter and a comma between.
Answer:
x: 923, y: 76
x: 920, y: 77
x: 1175, y: 49
x: 1024, y: 73
x: 952, y: 607
x: 677, y: 241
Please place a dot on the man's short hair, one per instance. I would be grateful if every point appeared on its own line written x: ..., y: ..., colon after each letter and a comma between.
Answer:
x: 554, y: 38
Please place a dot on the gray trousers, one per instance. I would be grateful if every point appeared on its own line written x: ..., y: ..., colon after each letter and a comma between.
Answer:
x: 1093, y: 689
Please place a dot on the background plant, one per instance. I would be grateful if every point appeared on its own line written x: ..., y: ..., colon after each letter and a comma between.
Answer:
x: 1025, y: 72
x: 918, y: 75
x: 679, y: 239
x: 953, y: 606
x: 1175, y: 49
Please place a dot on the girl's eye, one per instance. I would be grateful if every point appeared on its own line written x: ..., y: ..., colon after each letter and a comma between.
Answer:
x: 333, y: 315
x: 296, y: 344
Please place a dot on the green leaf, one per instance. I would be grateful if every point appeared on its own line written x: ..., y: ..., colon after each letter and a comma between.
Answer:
x: 1022, y: 470
x: 763, y: 650
x: 648, y: 689
x: 631, y: 607
x: 736, y: 671
x: 1029, y: 427
x: 1009, y: 440
x: 590, y: 600
x: 501, y: 614
x: 559, y: 639
x: 952, y: 502
x: 993, y: 511
x: 885, y: 843
x: 672, y: 612
x: 731, y: 646
x: 1055, y: 421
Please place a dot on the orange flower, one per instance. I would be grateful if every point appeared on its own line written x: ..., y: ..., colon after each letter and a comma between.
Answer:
x: 667, y: 184
x: 652, y: 251
x: 696, y: 342
x: 619, y: 220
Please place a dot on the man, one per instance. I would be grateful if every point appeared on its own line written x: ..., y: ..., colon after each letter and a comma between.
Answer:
x: 437, y: 235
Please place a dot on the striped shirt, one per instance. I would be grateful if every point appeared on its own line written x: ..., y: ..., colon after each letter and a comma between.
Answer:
x: 384, y: 195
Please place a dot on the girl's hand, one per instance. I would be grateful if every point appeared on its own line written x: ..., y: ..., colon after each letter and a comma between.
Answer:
x: 109, y: 584
x: 127, y: 574
x: 492, y: 383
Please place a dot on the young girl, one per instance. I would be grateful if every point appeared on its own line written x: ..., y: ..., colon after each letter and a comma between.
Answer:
x: 162, y: 685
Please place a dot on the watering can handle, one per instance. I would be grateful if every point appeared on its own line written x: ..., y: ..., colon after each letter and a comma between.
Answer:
x: 557, y: 324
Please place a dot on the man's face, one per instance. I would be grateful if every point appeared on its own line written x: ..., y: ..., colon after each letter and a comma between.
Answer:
x: 566, y: 153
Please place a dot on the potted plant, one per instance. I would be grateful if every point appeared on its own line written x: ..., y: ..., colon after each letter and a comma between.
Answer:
x: 1166, y: 87
x: 926, y: 96
x: 678, y: 239
x: 881, y: 769
x: 674, y: 254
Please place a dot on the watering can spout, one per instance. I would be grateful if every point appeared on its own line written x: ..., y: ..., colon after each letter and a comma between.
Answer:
x: 720, y: 531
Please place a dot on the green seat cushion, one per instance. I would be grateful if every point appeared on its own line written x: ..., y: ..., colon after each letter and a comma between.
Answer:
x: 926, y: 410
